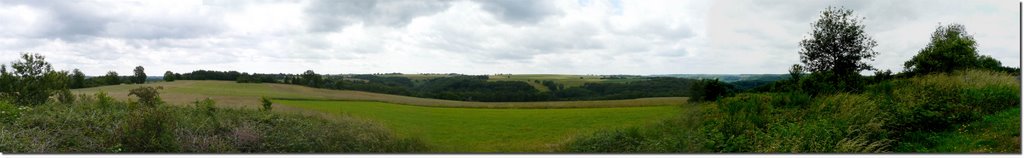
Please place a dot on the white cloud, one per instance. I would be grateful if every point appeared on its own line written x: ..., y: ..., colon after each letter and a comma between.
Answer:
x: 469, y: 36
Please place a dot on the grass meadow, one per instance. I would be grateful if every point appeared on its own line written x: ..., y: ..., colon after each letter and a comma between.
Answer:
x: 491, y: 130
x: 246, y: 95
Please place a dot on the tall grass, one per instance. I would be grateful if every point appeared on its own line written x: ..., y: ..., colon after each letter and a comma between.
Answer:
x: 888, y: 113
x: 101, y: 125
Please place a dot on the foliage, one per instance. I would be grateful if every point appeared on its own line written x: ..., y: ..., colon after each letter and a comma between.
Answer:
x: 9, y: 112
x: 111, y: 78
x: 951, y: 48
x: 169, y: 76
x: 311, y: 79
x: 33, y: 81
x: 77, y: 79
x: 837, y: 49
x: 140, y: 75
x: 837, y: 44
x: 267, y: 105
x: 710, y: 90
x: 148, y: 96
x: 914, y: 114
x: 88, y: 127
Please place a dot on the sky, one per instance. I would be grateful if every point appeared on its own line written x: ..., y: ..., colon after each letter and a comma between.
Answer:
x: 640, y: 37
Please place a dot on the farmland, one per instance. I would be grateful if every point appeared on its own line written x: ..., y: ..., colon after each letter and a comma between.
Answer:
x: 233, y: 94
x: 490, y: 130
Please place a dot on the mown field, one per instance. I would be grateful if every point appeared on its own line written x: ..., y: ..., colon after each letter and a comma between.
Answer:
x: 246, y: 95
x: 491, y: 130
x: 468, y: 127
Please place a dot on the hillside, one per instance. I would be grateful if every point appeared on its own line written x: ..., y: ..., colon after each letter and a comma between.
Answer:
x: 233, y: 94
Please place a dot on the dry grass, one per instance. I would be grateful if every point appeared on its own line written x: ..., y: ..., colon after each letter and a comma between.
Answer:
x: 246, y: 95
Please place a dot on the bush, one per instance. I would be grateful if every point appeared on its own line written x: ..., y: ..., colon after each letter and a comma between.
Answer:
x: 266, y: 103
x: 9, y: 112
x: 91, y: 127
x: 148, y: 96
x: 150, y: 131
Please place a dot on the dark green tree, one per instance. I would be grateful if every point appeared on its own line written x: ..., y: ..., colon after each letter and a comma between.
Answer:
x: 837, y: 49
x: 169, y: 76
x: 77, y: 79
x: 34, y: 80
x: 710, y: 90
x: 951, y: 48
x: 310, y: 78
x: 111, y: 78
x: 140, y: 75
x: 837, y: 44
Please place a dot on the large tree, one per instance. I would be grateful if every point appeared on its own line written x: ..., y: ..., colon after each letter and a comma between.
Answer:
x: 33, y: 80
x: 169, y: 76
x: 140, y: 75
x: 111, y: 78
x: 77, y: 79
x: 951, y: 48
x: 838, y: 44
x: 310, y: 78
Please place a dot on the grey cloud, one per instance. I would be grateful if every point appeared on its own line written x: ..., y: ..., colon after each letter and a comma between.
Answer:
x: 332, y: 15
x: 520, y: 11
x: 80, y: 20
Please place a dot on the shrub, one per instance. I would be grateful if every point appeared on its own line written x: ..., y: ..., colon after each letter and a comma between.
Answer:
x: 150, y: 131
x: 148, y: 96
x: 266, y: 103
x: 9, y: 112
x: 91, y: 128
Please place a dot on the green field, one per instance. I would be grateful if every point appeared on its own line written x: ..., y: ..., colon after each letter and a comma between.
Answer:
x: 228, y: 93
x: 491, y: 130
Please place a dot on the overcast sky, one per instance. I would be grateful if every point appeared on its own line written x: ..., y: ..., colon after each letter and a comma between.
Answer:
x: 474, y: 37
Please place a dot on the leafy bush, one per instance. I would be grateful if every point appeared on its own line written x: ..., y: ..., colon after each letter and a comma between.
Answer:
x: 148, y: 96
x: 896, y: 115
x: 267, y: 105
x: 118, y: 127
x: 9, y: 112
x: 149, y: 131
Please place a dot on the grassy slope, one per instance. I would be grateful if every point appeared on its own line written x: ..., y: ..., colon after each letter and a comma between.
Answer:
x: 999, y: 133
x: 491, y: 130
x: 246, y: 95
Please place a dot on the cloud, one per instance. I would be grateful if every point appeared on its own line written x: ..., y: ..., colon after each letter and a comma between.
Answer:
x: 143, y: 20
x: 332, y: 15
x: 471, y: 36
x: 520, y: 11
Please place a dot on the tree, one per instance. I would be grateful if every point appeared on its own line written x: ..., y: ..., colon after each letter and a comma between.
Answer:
x: 710, y: 90
x: 310, y: 78
x: 111, y: 78
x: 140, y: 75
x: 169, y: 76
x: 795, y: 72
x: 837, y: 44
x: 951, y: 48
x: 34, y: 80
x: 77, y: 79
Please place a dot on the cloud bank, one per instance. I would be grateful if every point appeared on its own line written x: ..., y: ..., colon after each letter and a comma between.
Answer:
x: 474, y: 36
